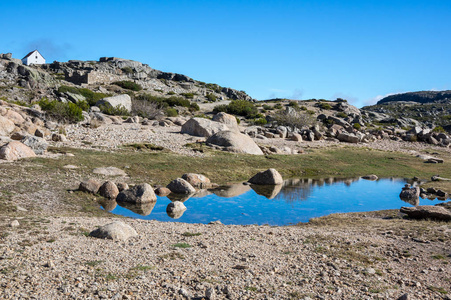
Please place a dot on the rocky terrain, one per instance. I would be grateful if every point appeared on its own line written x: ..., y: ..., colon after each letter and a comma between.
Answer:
x: 114, y: 108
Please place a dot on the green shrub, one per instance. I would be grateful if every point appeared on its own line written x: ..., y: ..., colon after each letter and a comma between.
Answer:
x: 238, y: 107
x: 310, y: 112
x: 260, y: 121
x: 114, y: 111
x: 267, y: 107
x: 194, y: 107
x: 303, y: 107
x: 294, y: 119
x: 188, y: 95
x: 90, y: 96
x: 438, y: 129
x: 171, y: 112
x: 211, y: 97
x: 171, y: 93
x: 66, y: 112
x: 293, y: 104
x: 70, y: 89
x: 341, y: 115
x: 278, y: 106
x: 127, y: 70
x: 128, y: 85
x: 165, y: 101
x: 324, y: 105
x: 357, y: 126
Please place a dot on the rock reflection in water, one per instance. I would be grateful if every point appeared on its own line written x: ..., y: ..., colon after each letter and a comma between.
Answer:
x: 179, y: 197
x: 269, y: 191
x: 108, y: 205
x: 143, y: 209
x: 232, y: 190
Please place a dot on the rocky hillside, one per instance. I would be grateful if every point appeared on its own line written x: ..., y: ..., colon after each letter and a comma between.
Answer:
x: 419, y: 97
x: 31, y: 83
x: 429, y: 108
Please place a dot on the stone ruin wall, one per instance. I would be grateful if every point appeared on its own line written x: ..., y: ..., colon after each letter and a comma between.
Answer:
x: 93, y: 77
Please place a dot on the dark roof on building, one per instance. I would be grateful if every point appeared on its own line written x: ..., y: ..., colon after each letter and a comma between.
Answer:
x: 32, y: 53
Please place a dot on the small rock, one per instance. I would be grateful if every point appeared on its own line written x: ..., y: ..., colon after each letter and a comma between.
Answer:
x: 370, y: 177
x: 162, y: 191
x: 90, y: 186
x: 181, y: 186
x: 115, y: 231
x: 268, y: 177
x: 14, y: 223
x: 109, y: 190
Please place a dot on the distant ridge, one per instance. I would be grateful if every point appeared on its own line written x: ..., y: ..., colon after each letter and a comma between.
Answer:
x: 419, y: 97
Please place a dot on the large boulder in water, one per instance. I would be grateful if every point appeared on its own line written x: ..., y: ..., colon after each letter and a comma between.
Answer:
x: 270, y: 176
x: 234, y: 141
x: 409, y: 193
x: 196, y: 180
x: 202, y: 127
x: 181, y: 186
x: 175, y: 209
x: 142, y: 193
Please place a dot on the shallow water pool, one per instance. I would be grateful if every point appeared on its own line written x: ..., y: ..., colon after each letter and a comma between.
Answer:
x: 297, y: 200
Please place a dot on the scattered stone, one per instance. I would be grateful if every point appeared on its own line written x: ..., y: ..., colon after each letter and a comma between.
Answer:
x: 427, y: 212
x: 270, y: 176
x: 109, y: 171
x: 14, y: 223
x: 15, y: 150
x: 118, y: 101
x: 181, y: 186
x: 90, y: 186
x: 142, y: 193
x: 37, y: 144
x: 57, y: 137
x: 196, y: 180
x: 227, y: 119
x: 109, y: 190
x: 122, y: 186
x: 175, y: 209
x: 234, y: 141
x: 114, y: 231
x: 202, y: 127
x: 370, y: 177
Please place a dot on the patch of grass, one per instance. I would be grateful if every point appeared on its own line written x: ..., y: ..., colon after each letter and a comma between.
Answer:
x: 128, y: 85
x: 182, y: 245
x: 144, y: 146
x: 438, y: 290
x: 143, y: 268
x: 191, y: 233
x: 438, y: 256
x: 251, y: 288
x: 110, y: 277
x: 51, y: 240
x: 94, y: 263
x: 172, y: 256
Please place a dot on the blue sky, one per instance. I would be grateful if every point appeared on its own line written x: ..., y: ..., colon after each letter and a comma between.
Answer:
x: 359, y: 50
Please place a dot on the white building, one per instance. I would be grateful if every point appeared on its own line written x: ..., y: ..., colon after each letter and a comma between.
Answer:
x: 34, y: 57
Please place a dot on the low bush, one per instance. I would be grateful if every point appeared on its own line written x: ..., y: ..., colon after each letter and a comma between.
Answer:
x: 294, y: 119
x: 128, y: 85
x: 211, y: 97
x: 188, y: 95
x: 357, y: 126
x: 171, y: 112
x: 60, y: 111
x: 267, y: 107
x: 146, y: 109
x: 114, y: 111
x: 91, y: 97
x: 341, y: 115
x: 243, y: 108
x: 438, y: 129
x: 324, y: 105
x: 165, y: 101
x: 293, y: 104
x: 260, y: 121
x: 127, y: 70
x: 194, y: 107
x: 278, y: 106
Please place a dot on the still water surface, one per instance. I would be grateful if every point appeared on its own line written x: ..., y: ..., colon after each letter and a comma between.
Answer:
x: 297, y: 200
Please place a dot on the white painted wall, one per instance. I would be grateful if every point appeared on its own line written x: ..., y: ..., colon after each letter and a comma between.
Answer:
x: 34, y: 58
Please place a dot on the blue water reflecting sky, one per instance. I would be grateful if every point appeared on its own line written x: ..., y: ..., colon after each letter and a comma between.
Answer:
x: 296, y: 201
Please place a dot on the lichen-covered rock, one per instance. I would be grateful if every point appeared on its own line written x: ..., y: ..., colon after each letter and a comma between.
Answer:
x: 90, y: 186
x: 15, y: 150
x: 196, y: 180
x: 115, y: 231
x: 181, y: 186
x: 175, y: 209
x: 234, y: 141
x: 6, y: 126
x: 427, y: 212
x: 270, y: 176
x: 142, y: 193
x: 202, y: 127
x: 117, y: 101
x: 227, y: 119
x: 37, y: 144
x: 109, y: 190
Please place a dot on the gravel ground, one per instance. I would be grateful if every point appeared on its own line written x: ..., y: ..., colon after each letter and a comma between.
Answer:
x: 52, y: 258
